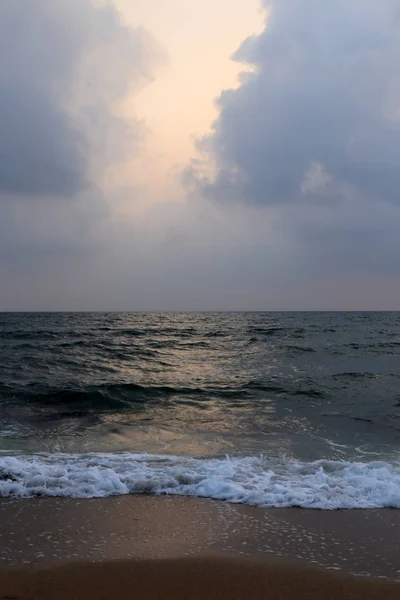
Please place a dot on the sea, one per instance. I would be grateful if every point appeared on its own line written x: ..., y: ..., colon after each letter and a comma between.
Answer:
x: 267, y: 409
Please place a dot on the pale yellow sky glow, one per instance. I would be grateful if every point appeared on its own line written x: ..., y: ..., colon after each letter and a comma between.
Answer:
x: 199, y: 37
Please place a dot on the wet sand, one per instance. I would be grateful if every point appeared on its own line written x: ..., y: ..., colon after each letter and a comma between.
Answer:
x: 203, y: 578
x: 174, y: 547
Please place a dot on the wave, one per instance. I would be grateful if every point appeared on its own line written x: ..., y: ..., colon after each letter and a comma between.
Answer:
x: 30, y: 335
x: 307, y: 392
x: 305, y: 349
x: 258, y: 481
x: 266, y: 331
x: 125, y: 396
x: 118, y: 396
x: 354, y: 375
x: 110, y: 396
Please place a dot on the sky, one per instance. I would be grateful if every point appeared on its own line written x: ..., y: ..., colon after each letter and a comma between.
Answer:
x: 199, y: 155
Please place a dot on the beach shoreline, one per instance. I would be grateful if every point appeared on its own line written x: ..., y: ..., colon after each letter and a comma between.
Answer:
x: 58, y: 541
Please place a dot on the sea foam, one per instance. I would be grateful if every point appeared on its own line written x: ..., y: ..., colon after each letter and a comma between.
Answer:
x: 255, y: 480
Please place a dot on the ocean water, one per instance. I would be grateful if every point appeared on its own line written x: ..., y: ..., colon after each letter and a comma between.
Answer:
x: 270, y: 409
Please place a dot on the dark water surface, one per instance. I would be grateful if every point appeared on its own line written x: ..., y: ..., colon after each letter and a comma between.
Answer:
x: 303, y: 386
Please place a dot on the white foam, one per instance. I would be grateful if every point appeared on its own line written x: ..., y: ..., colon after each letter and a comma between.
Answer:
x: 259, y: 481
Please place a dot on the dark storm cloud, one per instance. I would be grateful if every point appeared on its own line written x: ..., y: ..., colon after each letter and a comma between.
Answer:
x: 62, y: 66
x: 310, y: 140
x: 319, y: 118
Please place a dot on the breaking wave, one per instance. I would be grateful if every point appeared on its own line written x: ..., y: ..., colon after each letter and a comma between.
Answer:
x: 253, y: 480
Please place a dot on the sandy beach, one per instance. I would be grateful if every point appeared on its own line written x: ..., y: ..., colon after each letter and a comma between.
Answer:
x: 174, y: 547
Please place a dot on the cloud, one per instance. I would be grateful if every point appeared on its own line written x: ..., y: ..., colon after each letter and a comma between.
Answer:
x: 323, y: 97
x: 311, y: 135
x: 293, y: 199
x: 63, y: 66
